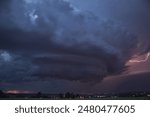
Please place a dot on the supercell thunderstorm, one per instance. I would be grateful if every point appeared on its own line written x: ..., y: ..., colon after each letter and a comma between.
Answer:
x: 51, y: 39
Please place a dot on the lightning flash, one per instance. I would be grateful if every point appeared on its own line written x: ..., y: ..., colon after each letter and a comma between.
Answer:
x: 140, y: 61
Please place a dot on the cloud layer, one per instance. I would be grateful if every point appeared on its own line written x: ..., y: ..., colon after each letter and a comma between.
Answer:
x: 57, y: 41
x: 133, y: 14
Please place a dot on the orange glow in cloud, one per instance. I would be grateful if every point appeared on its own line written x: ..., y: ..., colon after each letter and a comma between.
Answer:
x: 18, y: 91
x: 140, y: 60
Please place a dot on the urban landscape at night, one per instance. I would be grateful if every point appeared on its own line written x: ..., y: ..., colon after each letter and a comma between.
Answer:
x: 72, y: 96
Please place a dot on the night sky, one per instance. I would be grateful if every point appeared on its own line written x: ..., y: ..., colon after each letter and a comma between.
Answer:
x: 81, y: 46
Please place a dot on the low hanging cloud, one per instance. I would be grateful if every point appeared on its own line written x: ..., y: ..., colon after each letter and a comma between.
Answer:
x: 61, y: 41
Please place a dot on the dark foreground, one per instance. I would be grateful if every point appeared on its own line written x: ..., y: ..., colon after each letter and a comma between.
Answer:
x: 71, y: 96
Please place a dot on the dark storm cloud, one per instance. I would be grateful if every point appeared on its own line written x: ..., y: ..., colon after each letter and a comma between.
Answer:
x: 133, y: 14
x: 15, y: 69
x: 63, y: 42
x: 4, y: 2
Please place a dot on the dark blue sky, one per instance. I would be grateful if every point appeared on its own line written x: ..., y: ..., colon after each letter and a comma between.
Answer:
x: 71, y: 45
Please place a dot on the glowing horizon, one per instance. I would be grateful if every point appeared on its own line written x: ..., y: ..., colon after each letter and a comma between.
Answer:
x: 18, y: 91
